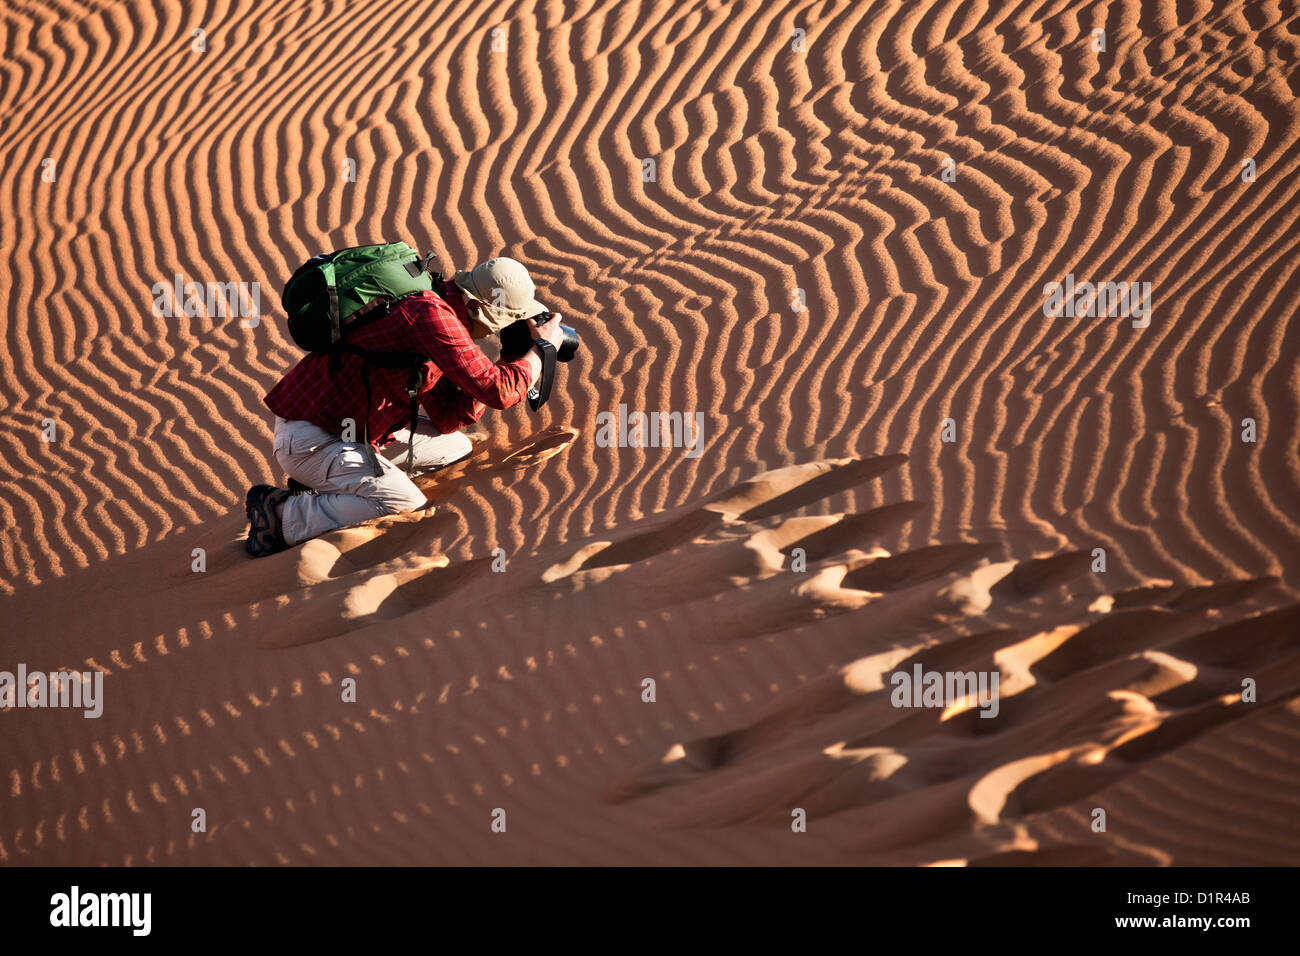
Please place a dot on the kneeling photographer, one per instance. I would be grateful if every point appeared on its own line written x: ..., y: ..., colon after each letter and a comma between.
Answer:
x: 393, y: 372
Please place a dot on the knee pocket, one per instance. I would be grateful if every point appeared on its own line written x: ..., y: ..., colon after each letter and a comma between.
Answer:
x: 280, y: 449
x: 349, y: 461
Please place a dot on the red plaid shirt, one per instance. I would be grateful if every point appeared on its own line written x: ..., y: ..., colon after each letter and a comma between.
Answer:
x: 459, y: 380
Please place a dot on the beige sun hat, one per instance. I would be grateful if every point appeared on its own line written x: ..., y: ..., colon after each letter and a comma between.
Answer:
x: 505, y: 290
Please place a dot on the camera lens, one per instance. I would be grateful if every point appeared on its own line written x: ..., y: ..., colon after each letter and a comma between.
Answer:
x: 517, y: 338
x: 569, y: 347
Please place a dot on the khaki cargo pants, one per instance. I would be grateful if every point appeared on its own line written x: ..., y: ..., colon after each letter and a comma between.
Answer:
x: 346, y: 486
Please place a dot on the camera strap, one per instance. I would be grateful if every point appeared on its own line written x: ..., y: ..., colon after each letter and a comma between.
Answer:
x: 539, y: 393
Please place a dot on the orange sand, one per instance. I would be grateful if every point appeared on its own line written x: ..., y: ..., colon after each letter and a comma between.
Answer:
x: 776, y: 170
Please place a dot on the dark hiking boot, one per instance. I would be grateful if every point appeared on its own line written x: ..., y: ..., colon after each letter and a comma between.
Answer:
x: 266, y: 532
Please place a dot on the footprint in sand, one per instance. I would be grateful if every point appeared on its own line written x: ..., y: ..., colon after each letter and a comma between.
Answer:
x: 1087, y: 697
x: 1093, y: 686
x: 528, y: 452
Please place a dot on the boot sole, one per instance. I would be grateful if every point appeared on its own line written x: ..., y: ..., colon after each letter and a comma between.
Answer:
x: 262, y: 532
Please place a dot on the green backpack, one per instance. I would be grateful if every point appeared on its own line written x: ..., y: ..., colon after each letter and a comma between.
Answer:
x: 333, y: 294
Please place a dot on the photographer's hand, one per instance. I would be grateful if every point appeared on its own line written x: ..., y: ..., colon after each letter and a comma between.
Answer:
x: 551, y: 332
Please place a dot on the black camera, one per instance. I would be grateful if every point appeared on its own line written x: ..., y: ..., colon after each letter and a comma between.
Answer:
x: 517, y: 338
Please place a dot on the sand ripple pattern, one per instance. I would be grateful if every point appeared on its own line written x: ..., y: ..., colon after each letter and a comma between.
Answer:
x: 598, y: 697
x: 800, y: 271
x: 777, y: 170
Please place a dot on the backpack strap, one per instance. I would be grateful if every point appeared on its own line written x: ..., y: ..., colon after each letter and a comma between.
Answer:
x: 414, y: 363
x: 419, y: 265
x: 413, y: 380
x: 439, y: 284
x: 376, y: 468
x: 331, y: 289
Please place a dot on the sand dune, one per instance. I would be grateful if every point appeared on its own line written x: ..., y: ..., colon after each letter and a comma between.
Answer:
x: 800, y: 271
